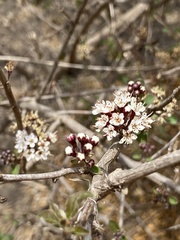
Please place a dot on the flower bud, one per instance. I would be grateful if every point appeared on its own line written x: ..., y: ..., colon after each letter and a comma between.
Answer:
x: 80, y: 156
x: 72, y: 139
x: 94, y: 140
x: 69, y: 151
x: 87, y: 148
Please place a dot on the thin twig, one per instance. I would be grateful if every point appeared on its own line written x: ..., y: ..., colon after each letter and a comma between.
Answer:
x: 170, y: 71
x: 12, y: 100
x: 165, y: 102
x: 122, y: 23
x: 158, y: 153
x: 40, y: 176
x: 139, y: 220
x: 96, y: 12
x: 82, y: 66
x: 63, y: 47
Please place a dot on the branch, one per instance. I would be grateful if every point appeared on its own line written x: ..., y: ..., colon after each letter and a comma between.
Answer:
x: 104, y: 163
x: 120, y: 176
x: 102, y: 68
x: 63, y: 47
x: 160, y: 106
x: 12, y: 100
x: 122, y: 24
x: 53, y: 114
x: 40, y: 176
x: 96, y: 12
x: 155, y: 177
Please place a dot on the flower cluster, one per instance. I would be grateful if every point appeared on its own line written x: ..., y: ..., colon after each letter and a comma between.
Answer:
x: 81, y: 147
x: 33, y: 141
x: 32, y: 122
x: 146, y: 147
x: 33, y: 146
x: 7, y: 157
x: 125, y: 117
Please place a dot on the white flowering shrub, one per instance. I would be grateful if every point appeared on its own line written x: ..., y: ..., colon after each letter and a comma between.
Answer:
x: 124, y: 117
x: 32, y: 146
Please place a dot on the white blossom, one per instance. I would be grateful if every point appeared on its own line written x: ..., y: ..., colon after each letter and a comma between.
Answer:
x: 146, y: 120
x: 103, y: 107
x: 42, y: 155
x: 21, y: 144
x: 51, y: 136
x: 110, y: 132
x: 128, y: 137
x: 101, y: 122
x: 43, y: 145
x: 31, y: 140
x: 117, y: 119
x: 137, y: 107
x: 125, y: 114
x: 122, y: 98
x: 31, y: 147
x: 29, y: 154
x: 136, y: 125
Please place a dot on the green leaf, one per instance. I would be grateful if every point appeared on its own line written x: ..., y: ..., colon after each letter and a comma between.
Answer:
x: 58, y: 212
x: 149, y: 99
x: 95, y: 170
x: 148, y: 159
x: 142, y: 136
x: 172, y: 120
x: 49, y: 217
x: 173, y: 200
x: 16, y: 169
x: 113, y: 225
x: 74, y: 202
x: 80, y: 231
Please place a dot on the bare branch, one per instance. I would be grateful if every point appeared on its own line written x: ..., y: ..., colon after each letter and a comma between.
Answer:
x: 53, y: 114
x: 12, y: 100
x: 40, y: 176
x: 61, y: 52
x: 165, y: 102
x: 123, y: 23
x: 86, y: 26
x: 155, y: 177
x: 82, y: 66
x: 120, y: 176
x: 158, y: 153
